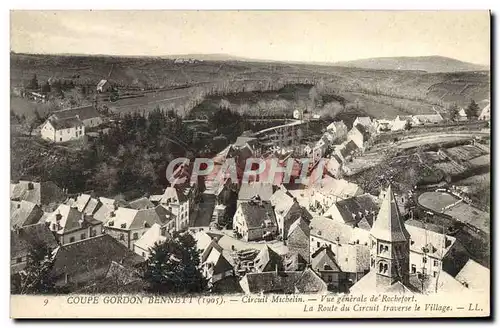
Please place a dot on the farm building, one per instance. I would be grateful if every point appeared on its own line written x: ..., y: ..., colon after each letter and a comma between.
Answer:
x: 400, y: 122
x: 87, y: 114
x: 62, y: 130
x: 427, y: 119
x: 103, y: 86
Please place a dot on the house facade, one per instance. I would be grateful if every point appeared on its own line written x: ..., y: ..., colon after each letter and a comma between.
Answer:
x: 255, y: 220
x: 62, y: 130
x: 175, y: 201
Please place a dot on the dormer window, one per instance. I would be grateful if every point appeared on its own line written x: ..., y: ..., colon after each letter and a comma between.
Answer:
x: 123, y: 225
x: 111, y: 223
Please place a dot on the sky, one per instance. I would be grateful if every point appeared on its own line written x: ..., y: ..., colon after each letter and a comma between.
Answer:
x: 308, y: 36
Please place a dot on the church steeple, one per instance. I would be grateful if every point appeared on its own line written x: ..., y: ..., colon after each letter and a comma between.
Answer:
x: 390, y: 251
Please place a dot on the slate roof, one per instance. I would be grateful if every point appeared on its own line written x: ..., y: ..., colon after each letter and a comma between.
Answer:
x: 389, y: 225
x: 173, y: 195
x: 324, y: 260
x: 92, y: 206
x: 337, y: 232
x: 88, y: 257
x: 81, y: 202
x: 130, y: 219
x: 24, y: 213
x: 255, y: 213
x: 65, y: 123
x: 103, y: 214
x: 31, y: 235
x: 474, y: 276
x: 306, y: 281
x: 250, y: 190
x: 41, y: 193
x: 299, y: 224
x: 83, y: 113
x: 364, y: 120
x: 362, y: 207
x: 141, y: 203
x: 70, y: 219
x: 151, y: 236
x: 435, y: 244
x: 267, y: 260
x: 220, y: 263
x: 347, y: 148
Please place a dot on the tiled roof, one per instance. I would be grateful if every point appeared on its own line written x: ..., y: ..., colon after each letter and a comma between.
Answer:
x: 389, y: 225
x: 255, y: 213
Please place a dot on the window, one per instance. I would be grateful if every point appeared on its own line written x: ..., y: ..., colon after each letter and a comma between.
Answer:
x: 136, y: 236
x: 434, y: 274
x: 413, y: 268
x: 123, y: 225
x: 122, y: 237
x: 329, y: 278
x: 19, y: 260
x: 71, y: 239
x: 60, y: 132
x: 143, y: 254
x: 380, y: 267
x: 60, y: 139
x: 436, y: 263
x: 386, y: 268
x: 318, y: 244
x: 93, y: 233
x: 424, y: 260
x: 381, y: 248
x: 83, y: 236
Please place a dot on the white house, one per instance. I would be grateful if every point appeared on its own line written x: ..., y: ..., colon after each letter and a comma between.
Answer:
x: 462, y: 115
x: 255, y: 220
x: 359, y: 135
x: 155, y: 234
x: 427, y: 119
x: 178, y: 203
x: 400, y: 122
x: 485, y: 113
x: 62, y: 130
x: 338, y: 128
x: 103, y: 86
x: 334, y: 166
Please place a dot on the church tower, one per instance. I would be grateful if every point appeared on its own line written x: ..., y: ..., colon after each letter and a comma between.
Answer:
x: 390, y: 245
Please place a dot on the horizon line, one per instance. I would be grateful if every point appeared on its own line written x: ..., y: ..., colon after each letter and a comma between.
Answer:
x: 236, y: 57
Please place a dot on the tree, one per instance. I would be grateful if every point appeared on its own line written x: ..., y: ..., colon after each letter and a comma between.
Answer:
x: 472, y: 109
x: 36, y: 277
x: 33, y: 84
x: 453, y: 112
x: 46, y: 87
x: 174, y: 266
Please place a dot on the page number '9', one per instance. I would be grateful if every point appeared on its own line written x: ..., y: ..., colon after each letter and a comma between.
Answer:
x: 45, y: 302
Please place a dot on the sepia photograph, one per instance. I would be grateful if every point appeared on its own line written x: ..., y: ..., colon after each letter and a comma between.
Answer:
x: 250, y: 164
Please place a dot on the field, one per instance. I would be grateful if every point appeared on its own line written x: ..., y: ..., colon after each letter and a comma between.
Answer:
x: 376, y: 93
x: 436, y: 201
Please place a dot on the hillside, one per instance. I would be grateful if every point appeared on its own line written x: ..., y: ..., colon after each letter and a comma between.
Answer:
x: 430, y: 64
x: 184, y: 86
